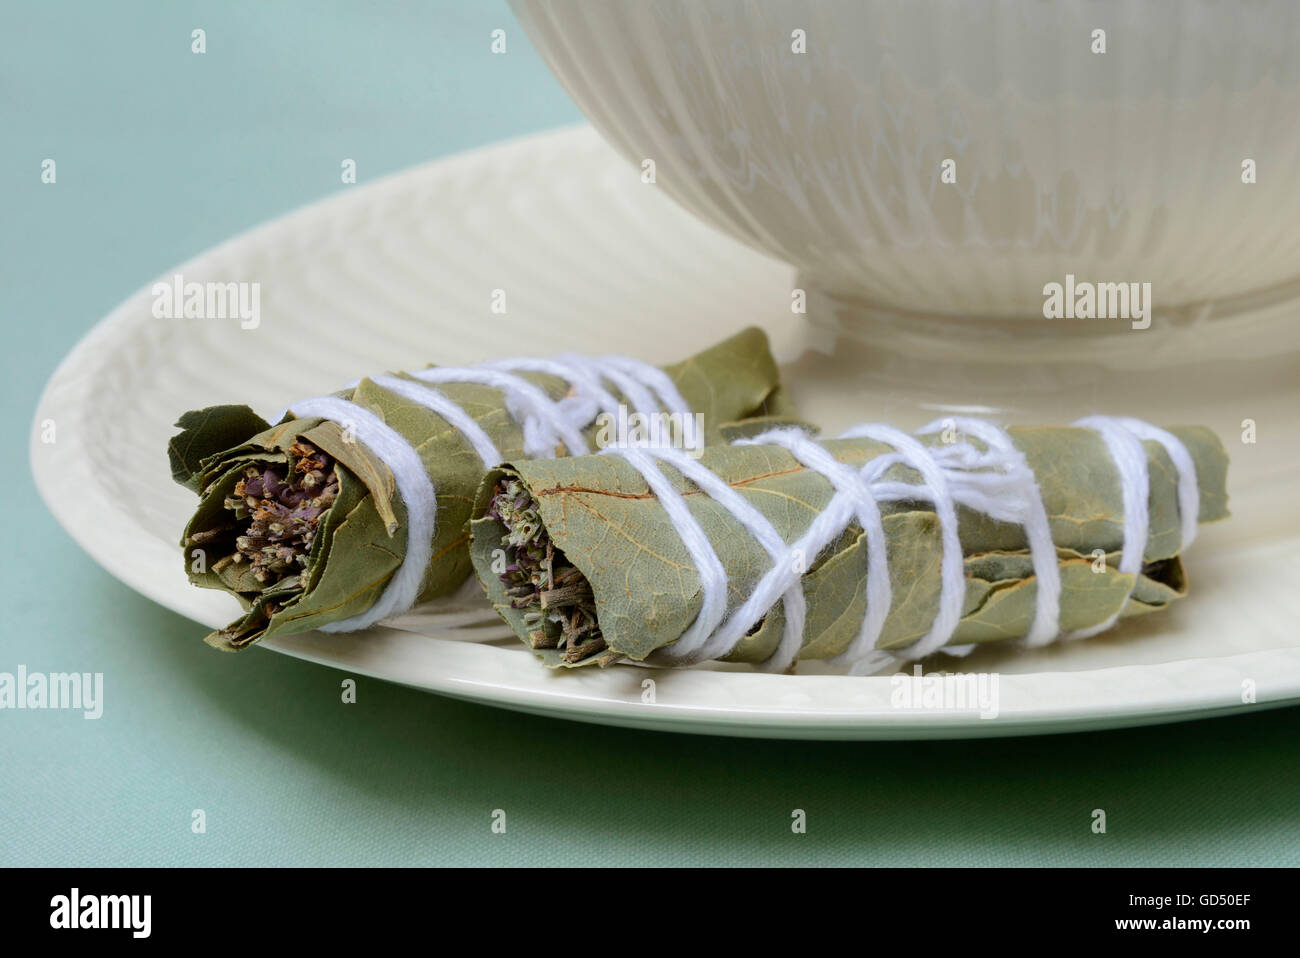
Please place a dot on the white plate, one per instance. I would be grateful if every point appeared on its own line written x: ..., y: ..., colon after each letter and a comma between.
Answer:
x: 401, y: 272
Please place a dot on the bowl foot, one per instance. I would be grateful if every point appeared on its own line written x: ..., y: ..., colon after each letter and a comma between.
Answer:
x: 864, y: 362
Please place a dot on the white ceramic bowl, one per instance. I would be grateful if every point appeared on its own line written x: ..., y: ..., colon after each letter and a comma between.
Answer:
x: 1122, y: 166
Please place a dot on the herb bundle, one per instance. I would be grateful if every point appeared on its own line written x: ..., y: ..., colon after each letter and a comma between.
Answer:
x: 584, y: 563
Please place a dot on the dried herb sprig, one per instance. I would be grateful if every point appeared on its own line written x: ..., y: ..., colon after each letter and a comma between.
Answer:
x: 556, y: 599
x: 277, y: 511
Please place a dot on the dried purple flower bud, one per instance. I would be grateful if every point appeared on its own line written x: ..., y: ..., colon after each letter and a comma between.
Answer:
x: 280, y: 529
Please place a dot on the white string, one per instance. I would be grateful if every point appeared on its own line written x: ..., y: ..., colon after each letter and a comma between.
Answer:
x: 1123, y: 437
x: 545, y: 427
x: 853, y: 499
x: 713, y: 578
x: 996, y: 481
x: 952, y: 571
x: 1189, y: 493
x: 1038, y: 531
x: 1135, y: 482
x: 589, y: 400
x: 548, y: 426
x: 413, y: 485
x: 754, y: 522
x: 457, y: 418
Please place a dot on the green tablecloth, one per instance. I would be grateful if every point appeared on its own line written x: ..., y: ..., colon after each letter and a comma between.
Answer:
x: 162, y: 153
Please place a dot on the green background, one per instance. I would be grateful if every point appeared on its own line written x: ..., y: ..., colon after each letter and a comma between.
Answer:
x: 161, y: 154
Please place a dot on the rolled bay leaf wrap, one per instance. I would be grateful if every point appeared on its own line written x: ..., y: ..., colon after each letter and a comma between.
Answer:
x: 302, y: 523
x: 583, y: 562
